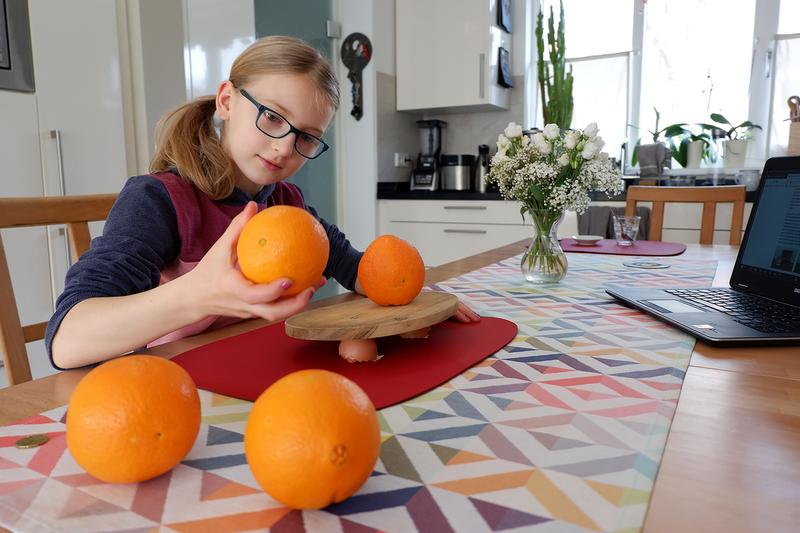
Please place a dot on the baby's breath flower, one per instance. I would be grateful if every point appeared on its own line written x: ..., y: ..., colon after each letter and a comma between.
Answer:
x: 553, y: 173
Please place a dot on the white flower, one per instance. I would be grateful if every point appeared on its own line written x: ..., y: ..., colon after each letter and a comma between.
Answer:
x: 503, y: 142
x: 551, y: 174
x: 589, y: 151
x: 545, y: 148
x: 590, y: 130
x: 551, y: 131
x: 513, y: 130
x: 541, y: 144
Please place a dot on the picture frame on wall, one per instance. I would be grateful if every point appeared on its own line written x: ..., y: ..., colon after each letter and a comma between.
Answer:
x: 16, y: 57
x: 504, y: 78
x: 504, y: 14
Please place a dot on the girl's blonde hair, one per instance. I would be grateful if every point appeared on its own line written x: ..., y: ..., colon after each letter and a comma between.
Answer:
x: 186, y: 139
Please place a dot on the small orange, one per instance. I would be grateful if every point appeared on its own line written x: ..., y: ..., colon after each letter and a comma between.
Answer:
x: 312, y: 439
x: 391, y: 271
x: 283, y: 241
x: 132, y: 418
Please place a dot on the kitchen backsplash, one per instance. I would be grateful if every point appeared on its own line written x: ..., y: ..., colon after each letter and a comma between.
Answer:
x: 397, y: 131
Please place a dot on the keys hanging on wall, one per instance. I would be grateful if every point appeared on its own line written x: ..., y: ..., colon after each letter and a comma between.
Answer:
x: 356, y: 53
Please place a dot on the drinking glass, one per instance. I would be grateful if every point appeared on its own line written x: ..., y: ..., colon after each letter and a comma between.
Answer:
x: 625, y: 229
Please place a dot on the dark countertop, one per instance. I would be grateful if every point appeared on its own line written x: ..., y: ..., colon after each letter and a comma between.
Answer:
x: 399, y: 190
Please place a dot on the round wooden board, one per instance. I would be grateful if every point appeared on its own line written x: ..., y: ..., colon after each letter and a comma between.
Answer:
x: 364, y: 319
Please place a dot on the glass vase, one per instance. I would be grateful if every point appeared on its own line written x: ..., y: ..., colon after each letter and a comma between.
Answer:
x: 544, y: 261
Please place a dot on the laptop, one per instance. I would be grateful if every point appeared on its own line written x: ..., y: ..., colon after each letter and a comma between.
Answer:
x: 762, y: 304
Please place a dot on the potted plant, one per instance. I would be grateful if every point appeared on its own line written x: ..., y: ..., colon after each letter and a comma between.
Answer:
x: 735, y: 145
x: 691, y: 149
x: 556, y: 87
x: 669, y: 137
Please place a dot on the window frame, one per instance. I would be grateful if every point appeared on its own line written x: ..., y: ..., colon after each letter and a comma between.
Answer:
x: 761, y: 88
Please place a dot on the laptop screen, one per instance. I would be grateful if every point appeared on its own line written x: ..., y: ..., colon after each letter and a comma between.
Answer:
x: 769, y: 262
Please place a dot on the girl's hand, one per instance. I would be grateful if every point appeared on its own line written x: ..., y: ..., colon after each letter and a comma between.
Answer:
x: 222, y: 289
x: 465, y: 314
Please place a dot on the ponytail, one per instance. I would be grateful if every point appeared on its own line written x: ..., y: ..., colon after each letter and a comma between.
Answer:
x: 187, y: 144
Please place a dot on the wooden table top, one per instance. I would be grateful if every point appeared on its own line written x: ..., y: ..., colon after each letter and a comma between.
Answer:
x: 732, y: 458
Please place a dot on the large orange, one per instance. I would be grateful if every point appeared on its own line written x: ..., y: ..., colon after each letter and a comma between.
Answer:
x: 132, y: 418
x: 312, y: 439
x: 391, y: 271
x: 283, y: 242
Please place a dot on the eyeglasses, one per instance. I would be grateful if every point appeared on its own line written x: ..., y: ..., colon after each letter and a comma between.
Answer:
x: 273, y: 124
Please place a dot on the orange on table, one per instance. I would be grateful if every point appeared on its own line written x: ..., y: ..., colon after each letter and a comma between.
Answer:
x: 283, y: 241
x: 312, y: 439
x: 391, y: 271
x: 132, y: 418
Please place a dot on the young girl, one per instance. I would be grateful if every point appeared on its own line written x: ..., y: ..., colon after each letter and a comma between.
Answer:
x: 164, y: 267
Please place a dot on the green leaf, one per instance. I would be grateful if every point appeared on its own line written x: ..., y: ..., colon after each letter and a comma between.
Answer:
x: 748, y: 124
x: 635, y: 153
x: 680, y: 151
x: 675, y: 130
x: 716, y: 117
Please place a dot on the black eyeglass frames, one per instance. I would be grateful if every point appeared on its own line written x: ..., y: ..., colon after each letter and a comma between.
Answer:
x: 274, y: 125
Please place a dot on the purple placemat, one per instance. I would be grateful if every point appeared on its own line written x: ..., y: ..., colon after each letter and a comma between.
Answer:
x: 609, y: 246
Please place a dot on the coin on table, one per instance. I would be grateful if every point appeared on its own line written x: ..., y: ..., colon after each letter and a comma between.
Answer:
x: 31, y: 441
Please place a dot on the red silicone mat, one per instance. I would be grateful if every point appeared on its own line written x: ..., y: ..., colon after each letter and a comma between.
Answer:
x: 244, y: 365
x: 609, y: 246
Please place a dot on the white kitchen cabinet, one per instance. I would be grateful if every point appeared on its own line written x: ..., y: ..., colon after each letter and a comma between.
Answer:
x: 448, y: 55
x: 444, y: 231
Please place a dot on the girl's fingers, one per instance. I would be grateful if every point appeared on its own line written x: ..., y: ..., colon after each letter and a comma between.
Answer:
x: 465, y: 314
x: 285, y: 307
x: 260, y: 293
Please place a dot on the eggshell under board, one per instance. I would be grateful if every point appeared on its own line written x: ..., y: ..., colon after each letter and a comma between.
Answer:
x: 359, y: 350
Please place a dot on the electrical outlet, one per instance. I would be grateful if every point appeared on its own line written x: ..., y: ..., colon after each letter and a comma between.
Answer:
x: 401, y: 160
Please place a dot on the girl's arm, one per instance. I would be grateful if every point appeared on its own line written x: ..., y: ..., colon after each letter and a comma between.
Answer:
x: 102, y: 327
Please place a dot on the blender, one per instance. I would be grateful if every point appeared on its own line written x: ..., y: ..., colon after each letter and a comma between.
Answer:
x: 425, y: 175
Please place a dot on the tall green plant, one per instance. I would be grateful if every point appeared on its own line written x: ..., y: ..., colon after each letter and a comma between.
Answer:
x: 556, y: 88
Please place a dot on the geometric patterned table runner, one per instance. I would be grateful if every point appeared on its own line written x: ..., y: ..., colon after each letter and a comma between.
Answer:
x: 562, y: 430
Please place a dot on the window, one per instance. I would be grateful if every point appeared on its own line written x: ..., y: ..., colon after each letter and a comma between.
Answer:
x: 786, y: 81
x: 691, y: 67
x: 687, y: 59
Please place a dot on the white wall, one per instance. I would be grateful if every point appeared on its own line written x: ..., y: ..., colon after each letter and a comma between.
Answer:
x: 356, y: 145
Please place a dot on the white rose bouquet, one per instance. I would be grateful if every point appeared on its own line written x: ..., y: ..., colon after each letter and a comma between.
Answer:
x: 550, y: 173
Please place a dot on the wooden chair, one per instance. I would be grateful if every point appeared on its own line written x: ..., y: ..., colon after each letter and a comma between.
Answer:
x: 73, y: 211
x: 708, y: 196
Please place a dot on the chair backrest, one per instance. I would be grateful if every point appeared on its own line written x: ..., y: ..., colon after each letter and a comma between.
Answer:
x: 708, y: 196
x: 73, y: 211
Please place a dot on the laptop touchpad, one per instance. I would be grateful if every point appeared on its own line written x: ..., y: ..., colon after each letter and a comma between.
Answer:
x: 671, y: 306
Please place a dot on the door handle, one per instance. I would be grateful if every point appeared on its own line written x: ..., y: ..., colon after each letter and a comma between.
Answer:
x: 470, y: 231
x: 56, y: 134
x: 466, y: 207
x: 481, y: 73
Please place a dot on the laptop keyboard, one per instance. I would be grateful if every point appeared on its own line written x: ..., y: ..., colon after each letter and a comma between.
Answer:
x: 758, y: 313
